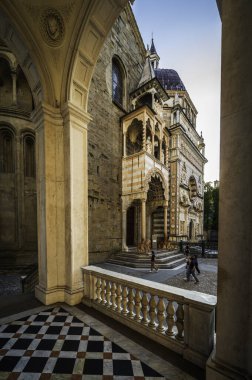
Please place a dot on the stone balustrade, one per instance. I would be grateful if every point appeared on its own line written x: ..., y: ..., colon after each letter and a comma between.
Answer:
x: 181, y: 320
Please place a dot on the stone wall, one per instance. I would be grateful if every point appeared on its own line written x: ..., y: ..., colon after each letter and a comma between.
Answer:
x: 105, y: 136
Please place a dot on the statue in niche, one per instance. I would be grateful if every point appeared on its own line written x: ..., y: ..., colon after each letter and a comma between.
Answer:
x: 148, y: 145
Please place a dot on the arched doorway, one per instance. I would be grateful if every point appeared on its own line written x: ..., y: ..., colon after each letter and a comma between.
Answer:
x: 130, y: 237
x: 60, y: 94
x: 155, y: 208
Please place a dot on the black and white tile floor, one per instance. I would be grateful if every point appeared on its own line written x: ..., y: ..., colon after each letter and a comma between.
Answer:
x: 52, y: 343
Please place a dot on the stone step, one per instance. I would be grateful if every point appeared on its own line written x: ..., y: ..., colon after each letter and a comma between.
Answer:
x: 164, y: 259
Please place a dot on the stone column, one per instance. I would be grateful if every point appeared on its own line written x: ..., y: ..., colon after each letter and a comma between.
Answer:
x: 76, y: 199
x: 124, y: 228
x: 14, y: 87
x: 233, y: 355
x: 124, y: 145
x: 165, y: 221
x: 152, y: 143
x: 143, y: 219
x: 50, y: 203
x: 160, y: 149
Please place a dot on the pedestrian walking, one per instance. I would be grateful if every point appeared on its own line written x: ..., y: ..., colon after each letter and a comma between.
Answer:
x: 191, y: 270
x: 187, y: 250
x: 196, y: 263
x: 153, y: 262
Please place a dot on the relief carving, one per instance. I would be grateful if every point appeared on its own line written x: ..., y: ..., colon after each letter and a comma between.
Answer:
x: 52, y: 27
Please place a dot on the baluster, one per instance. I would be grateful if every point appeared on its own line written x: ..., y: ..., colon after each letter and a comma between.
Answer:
x: 113, y: 296
x: 152, y: 312
x: 160, y: 315
x: 145, y: 309
x: 108, y: 293
x: 98, y: 290
x: 131, y: 303
x: 119, y: 298
x: 170, y: 318
x: 125, y: 300
x: 103, y: 293
x: 180, y: 322
x: 138, y: 305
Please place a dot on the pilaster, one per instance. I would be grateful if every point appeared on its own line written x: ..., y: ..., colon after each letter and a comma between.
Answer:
x: 50, y: 203
x: 76, y: 198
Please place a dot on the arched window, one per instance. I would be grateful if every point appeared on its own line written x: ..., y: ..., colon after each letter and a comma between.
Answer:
x: 6, y: 151
x: 29, y: 156
x: 117, y: 82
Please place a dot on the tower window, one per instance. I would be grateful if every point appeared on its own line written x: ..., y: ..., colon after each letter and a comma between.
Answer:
x: 117, y: 82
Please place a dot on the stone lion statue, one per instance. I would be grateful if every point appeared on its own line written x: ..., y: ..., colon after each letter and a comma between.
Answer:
x: 144, y: 246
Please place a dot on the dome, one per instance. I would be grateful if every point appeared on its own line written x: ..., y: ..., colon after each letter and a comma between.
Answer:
x: 169, y: 79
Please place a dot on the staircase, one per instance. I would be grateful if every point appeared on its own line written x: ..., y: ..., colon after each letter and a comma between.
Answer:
x: 132, y: 259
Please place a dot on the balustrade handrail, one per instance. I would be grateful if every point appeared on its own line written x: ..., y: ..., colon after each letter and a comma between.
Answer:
x: 173, y: 293
x: 167, y: 314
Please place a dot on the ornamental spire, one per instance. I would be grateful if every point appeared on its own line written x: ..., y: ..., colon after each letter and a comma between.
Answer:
x: 154, y: 57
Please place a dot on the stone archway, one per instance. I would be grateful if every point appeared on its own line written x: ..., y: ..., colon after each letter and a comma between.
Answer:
x: 59, y: 71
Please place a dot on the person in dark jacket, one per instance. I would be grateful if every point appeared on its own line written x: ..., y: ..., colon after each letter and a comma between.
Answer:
x: 191, y: 270
x: 196, y: 263
x: 153, y: 262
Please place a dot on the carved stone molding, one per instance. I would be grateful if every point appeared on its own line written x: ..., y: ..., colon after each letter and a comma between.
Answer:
x: 52, y: 27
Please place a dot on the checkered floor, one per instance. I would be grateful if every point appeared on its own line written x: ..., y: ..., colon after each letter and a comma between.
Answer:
x: 54, y: 344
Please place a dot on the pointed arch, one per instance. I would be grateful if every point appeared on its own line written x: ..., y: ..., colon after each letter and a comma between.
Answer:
x: 155, y: 172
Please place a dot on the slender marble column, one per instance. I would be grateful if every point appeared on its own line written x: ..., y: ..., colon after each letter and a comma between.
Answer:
x: 165, y: 221
x: 153, y: 141
x: 143, y: 219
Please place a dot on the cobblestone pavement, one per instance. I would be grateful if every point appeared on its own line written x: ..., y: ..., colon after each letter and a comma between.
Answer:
x: 207, y: 278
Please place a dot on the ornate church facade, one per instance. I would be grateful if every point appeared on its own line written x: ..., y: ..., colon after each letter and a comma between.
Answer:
x: 145, y: 156
x: 146, y: 165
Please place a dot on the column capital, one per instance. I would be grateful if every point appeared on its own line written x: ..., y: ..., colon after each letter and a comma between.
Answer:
x: 44, y: 112
x: 72, y: 113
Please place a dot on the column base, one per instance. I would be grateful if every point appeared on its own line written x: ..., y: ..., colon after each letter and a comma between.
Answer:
x: 58, y: 294
x: 216, y: 370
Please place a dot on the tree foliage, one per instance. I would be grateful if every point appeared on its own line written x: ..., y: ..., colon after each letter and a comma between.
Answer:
x: 211, y: 207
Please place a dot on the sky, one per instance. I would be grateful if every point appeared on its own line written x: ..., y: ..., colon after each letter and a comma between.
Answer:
x: 187, y: 37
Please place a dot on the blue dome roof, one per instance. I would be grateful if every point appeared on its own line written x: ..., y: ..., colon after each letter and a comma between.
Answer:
x: 170, y: 79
